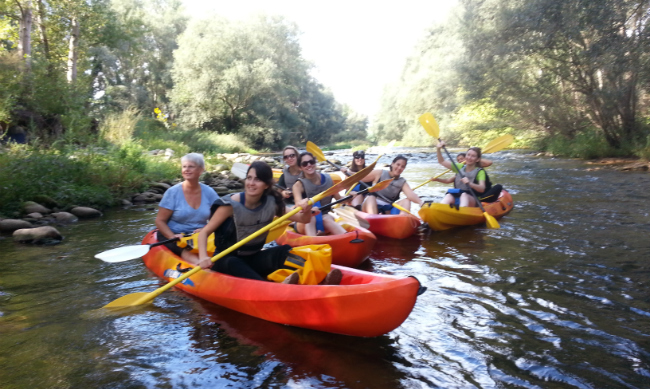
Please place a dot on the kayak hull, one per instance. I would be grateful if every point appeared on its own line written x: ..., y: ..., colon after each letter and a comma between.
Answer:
x: 441, y: 217
x: 393, y: 226
x: 364, y: 304
x: 349, y: 249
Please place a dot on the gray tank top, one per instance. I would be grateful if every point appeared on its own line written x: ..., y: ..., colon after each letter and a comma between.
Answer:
x: 394, y: 189
x: 290, y: 179
x: 472, y: 178
x: 247, y: 221
x: 311, y: 190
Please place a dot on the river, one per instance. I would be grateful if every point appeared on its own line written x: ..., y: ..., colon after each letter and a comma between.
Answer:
x: 558, y: 297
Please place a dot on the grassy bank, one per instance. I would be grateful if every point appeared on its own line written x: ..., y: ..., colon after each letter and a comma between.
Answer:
x: 100, y: 169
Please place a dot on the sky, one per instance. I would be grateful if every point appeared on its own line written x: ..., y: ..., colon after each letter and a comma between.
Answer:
x: 357, y: 47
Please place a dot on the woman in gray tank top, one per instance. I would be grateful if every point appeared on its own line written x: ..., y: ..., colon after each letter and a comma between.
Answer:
x: 315, y: 182
x: 473, y: 177
x: 290, y: 173
x: 249, y: 211
x: 380, y: 202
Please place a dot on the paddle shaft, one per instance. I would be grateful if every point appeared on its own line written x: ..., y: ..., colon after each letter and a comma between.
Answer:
x: 462, y: 176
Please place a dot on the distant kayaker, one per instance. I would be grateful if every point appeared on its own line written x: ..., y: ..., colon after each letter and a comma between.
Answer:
x: 290, y: 173
x: 381, y: 202
x: 460, y: 158
x: 311, y: 184
x: 358, y: 163
x: 239, y: 215
x: 185, y: 207
x: 473, y: 177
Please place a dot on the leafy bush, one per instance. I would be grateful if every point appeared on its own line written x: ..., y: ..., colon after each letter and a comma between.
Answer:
x: 91, y: 177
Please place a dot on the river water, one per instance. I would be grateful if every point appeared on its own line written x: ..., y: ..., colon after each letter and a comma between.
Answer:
x: 558, y: 297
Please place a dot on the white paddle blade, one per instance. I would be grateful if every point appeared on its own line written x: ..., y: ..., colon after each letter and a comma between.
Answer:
x: 122, y: 254
x: 239, y: 169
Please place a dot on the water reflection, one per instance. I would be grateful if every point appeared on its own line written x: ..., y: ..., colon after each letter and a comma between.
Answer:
x: 557, y: 297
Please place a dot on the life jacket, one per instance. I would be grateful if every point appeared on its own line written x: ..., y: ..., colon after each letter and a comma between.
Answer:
x: 472, y: 177
x: 311, y: 190
x: 394, y: 189
x: 290, y: 179
x: 243, y: 223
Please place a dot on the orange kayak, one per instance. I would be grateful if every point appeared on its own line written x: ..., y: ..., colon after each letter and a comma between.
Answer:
x: 441, y: 217
x: 364, y: 304
x: 392, y: 226
x: 349, y: 249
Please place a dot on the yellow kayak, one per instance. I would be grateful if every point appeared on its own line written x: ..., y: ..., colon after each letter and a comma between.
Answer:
x: 441, y: 217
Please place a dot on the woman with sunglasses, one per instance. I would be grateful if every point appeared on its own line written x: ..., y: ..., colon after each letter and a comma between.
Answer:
x: 358, y: 163
x: 312, y: 183
x: 381, y: 202
x: 290, y: 173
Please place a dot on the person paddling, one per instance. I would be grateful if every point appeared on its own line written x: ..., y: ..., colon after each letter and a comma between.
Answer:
x: 311, y: 184
x: 239, y: 215
x: 381, y: 202
x: 358, y: 163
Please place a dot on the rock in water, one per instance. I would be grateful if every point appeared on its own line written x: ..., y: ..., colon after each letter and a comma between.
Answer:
x: 38, y: 235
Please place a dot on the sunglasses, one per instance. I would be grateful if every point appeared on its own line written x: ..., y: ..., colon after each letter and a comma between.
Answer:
x: 307, y: 163
x: 360, y: 157
x: 289, y: 156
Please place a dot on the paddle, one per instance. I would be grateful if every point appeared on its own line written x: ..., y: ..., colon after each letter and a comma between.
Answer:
x: 497, y: 144
x: 127, y: 253
x: 431, y: 126
x: 377, y: 187
x: 134, y: 299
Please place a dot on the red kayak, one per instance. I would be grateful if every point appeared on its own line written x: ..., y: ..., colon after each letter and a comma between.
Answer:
x: 364, y: 304
x: 393, y: 226
x: 349, y: 249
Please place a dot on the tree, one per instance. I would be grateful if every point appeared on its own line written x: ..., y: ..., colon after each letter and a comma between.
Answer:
x: 564, y: 65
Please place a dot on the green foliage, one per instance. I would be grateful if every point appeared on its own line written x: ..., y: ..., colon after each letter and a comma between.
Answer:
x: 89, y: 177
x: 118, y: 128
x: 587, y: 145
x: 249, y: 78
x: 153, y: 135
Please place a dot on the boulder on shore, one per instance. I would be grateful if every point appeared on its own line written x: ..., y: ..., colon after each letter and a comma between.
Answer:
x: 31, y: 207
x: 38, y: 235
x: 11, y: 225
x: 65, y: 217
x: 85, y: 212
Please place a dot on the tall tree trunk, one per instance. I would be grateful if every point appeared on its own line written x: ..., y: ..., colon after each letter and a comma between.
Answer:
x: 40, y: 20
x: 73, y: 50
x: 25, y: 33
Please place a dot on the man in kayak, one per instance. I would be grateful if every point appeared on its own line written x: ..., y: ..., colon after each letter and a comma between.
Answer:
x: 239, y: 215
x: 381, y: 202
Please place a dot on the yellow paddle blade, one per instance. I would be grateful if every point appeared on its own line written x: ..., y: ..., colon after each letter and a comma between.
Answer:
x: 491, y: 221
x: 430, y: 125
x: 316, y: 151
x: 380, y: 185
x: 391, y: 144
x: 126, y: 301
x: 498, y: 144
x: 276, y: 232
x: 348, y: 215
